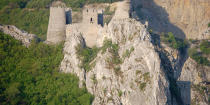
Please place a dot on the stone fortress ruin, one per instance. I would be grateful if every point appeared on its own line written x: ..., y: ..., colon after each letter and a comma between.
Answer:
x: 60, y: 23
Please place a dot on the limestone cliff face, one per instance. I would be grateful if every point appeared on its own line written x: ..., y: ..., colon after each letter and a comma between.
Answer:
x: 185, y: 18
x: 139, y: 79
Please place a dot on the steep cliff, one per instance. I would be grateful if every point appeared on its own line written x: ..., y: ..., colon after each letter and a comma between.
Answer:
x: 137, y: 80
x: 127, y: 67
x: 185, y: 18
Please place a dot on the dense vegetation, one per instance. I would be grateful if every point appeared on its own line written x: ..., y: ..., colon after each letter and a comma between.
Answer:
x: 46, y: 3
x: 33, y: 21
x: 19, y: 13
x: 30, y: 76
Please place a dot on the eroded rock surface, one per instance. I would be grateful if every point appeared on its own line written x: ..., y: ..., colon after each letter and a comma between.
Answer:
x: 139, y: 79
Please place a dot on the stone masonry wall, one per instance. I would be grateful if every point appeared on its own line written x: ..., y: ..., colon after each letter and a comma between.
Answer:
x: 57, y: 25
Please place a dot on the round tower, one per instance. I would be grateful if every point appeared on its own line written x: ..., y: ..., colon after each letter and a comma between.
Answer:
x: 57, y: 25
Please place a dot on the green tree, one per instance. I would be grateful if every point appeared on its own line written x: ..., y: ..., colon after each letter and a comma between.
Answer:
x: 31, y: 76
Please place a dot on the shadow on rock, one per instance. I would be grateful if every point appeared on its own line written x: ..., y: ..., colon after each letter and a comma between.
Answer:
x: 148, y: 10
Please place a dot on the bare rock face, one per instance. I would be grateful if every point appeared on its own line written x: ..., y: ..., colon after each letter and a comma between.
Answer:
x: 137, y: 80
x: 185, y: 18
x: 18, y: 34
x: 70, y: 63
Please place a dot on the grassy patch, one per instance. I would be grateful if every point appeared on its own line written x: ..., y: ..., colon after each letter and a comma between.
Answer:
x: 87, y: 55
x: 94, y: 79
x: 114, y: 61
x: 205, y: 47
x: 127, y: 53
x: 174, y: 42
x: 120, y: 93
x: 108, y: 14
x: 138, y: 72
x: 146, y: 77
x: 142, y: 86
x: 197, y: 56
x: 143, y: 79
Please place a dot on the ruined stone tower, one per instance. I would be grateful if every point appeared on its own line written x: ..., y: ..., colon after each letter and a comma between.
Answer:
x: 93, y: 16
x: 56, y: 26
x: 59, y: 17
x: 60, y: 23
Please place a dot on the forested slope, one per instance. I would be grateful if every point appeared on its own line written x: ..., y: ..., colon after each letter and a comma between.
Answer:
x: 30, y: 76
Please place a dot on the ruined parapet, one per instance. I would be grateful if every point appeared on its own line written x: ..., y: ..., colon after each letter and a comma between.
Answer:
x: 56, y: 26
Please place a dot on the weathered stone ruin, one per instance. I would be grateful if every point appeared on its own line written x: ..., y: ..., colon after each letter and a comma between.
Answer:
x: 60, y: 23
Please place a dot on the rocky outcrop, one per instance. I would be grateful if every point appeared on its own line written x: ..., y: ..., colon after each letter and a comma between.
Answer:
x: 144, y: 74
x: 18, y: 34
x: 70, y: 63
x: 138, y: 80
x: 185, y: 18
x: 127, y: 72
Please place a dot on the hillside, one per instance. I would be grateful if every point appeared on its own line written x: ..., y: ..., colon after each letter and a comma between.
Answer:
x: 31, y: 76
x: 113, y: 52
